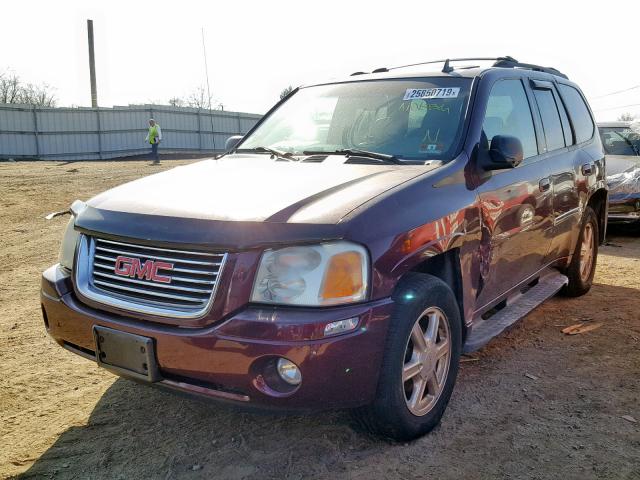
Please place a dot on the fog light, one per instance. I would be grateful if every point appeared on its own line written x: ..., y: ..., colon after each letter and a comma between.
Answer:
x: 289, y: 371
x: 340, y: 326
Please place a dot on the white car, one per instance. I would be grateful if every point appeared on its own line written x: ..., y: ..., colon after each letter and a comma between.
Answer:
x: 621, y: 142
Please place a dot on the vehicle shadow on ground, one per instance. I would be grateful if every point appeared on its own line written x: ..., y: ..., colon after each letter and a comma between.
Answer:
x: 140, y: 432
x: 619, y: 239
x: 136, y: 431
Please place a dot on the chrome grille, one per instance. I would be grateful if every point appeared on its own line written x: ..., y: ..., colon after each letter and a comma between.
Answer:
x: 182, y: 286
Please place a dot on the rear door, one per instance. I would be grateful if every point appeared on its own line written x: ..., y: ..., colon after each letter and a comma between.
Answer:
x: 570, y: 165
x: 516, y: 203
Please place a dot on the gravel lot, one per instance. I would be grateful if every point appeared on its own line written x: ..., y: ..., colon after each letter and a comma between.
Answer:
x: 535, y: 403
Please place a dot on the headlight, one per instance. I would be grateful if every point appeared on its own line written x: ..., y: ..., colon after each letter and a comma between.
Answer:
x: 70, y: 238
x: 326, y: 274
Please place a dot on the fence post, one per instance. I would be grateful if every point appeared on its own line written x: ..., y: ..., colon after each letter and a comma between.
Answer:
x: 99, y: 134
x: 213, y: 136
x: 35, y: 130
x: 199, y: 116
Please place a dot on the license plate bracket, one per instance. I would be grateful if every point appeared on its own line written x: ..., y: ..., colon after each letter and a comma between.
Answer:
x: 126, y: 354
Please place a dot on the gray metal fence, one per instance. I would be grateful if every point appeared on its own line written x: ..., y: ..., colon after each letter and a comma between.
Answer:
x: 102, y: 133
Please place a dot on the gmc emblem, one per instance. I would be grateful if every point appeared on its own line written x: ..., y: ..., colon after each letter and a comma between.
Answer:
x: 132, y: 267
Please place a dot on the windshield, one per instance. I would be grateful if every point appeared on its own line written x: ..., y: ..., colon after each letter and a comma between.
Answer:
x: 621, y: 140
x: 406, y: 118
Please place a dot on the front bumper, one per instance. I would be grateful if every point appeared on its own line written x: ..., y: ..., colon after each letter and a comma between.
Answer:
x: 227, y: 360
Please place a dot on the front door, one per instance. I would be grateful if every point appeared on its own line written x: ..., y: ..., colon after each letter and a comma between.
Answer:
x: 516, y: 204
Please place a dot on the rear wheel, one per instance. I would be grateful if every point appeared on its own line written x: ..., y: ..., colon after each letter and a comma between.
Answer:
x: 583, y: 263
x: 420, y: 362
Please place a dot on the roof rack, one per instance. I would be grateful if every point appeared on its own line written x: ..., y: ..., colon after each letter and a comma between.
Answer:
x: 509, y: 62
x: 503, y: 62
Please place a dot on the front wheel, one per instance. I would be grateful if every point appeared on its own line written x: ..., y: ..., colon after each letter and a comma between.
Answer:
x: 420, y: 361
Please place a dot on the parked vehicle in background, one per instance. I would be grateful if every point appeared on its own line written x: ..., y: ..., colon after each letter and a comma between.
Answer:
x: 348, y: 249
x: 621, y: 143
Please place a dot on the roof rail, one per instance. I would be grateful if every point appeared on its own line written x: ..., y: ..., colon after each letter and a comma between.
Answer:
x: 508, y: 62
x: 446, y: 61
x: 503, y: 62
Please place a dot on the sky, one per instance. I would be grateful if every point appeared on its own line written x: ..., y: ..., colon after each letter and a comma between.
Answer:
x: 148, y: 52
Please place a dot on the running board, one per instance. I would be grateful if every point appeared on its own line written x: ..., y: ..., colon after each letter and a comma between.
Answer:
x: 517, y: 307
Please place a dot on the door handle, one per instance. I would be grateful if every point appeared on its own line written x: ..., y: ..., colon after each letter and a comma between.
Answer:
x: 587, y: 169
x: 545, y: 184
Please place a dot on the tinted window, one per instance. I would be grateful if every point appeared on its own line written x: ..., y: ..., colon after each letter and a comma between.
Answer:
x: 566, y: 127
x: 550, y: 119
x: 508, y: 113
x: 579, y: 113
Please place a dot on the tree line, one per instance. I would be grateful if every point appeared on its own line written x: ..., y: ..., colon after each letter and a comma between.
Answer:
x: 13, y: 90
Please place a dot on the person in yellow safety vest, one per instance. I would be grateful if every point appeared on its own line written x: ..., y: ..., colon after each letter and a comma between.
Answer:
x: 154, y: 137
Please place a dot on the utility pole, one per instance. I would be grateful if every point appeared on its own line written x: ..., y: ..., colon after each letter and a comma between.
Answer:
x: 92, y: 66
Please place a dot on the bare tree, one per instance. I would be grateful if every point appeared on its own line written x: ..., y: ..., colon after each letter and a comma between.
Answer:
x: 12, y: 90
x: 38, y: 95
x: 177, y: 102
x: 626, y: 117
x: 197, y: 99
x: 286, y: 92
x: 9, y: 88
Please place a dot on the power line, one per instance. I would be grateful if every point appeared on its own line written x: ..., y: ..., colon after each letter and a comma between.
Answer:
x: 616, y: 108
x: 617, y: 92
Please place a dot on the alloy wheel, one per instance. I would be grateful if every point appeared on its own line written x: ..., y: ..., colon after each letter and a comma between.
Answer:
x: 426, y: 361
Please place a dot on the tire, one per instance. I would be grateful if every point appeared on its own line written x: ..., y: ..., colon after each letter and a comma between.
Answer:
x: 399, y: 412
x: 579, y: 273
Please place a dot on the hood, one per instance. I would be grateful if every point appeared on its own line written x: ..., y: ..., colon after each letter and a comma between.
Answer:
x: 623, y: 176
x: 254, y: 188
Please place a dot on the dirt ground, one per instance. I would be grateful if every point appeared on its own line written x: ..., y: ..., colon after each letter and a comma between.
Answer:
x: 535, y: 403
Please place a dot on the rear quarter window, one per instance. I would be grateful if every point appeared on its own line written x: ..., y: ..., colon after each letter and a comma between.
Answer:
x: 578, y: 112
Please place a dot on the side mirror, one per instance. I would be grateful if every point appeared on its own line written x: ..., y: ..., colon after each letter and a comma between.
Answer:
x: 232, y: 142
x: 505, y: 152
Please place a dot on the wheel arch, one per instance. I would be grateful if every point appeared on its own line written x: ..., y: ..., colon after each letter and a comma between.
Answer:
x: 446, y: 267
x: 598, y: 201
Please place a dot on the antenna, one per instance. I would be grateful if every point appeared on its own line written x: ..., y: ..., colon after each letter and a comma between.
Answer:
x: 206, y: 71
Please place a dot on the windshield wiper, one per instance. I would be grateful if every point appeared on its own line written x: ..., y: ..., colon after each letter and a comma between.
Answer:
x: 355, y: 152
x: 275, y: 153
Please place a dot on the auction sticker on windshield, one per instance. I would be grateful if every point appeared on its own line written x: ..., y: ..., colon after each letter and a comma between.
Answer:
x: 418, y: 93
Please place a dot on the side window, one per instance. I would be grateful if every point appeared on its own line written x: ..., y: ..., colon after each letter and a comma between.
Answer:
x: 579, y: 113
x: 566, y: 127
x: 508, y: 113
x: 550, y: 118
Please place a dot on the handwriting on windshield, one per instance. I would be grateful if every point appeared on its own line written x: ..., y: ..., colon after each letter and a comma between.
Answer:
x: 419, y: 106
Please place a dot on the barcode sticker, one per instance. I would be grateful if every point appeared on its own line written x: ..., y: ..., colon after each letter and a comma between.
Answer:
x: 420, y: 93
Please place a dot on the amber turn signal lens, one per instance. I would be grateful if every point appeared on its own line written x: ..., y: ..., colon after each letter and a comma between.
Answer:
x: 343, y: 278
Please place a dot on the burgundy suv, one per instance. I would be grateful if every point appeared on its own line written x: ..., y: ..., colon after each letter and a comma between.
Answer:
x: 348, y: 249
